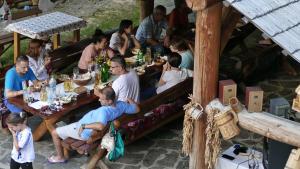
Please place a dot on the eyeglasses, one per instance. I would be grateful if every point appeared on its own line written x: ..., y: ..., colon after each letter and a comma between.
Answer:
x: 112, y: 67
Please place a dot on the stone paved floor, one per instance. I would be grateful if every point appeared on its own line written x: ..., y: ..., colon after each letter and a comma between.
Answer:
x: 159, y: 150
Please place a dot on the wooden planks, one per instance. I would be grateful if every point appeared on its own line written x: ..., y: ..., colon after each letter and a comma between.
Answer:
x: 24, y: 13
x: 271, y: 126
x: 16, y: 45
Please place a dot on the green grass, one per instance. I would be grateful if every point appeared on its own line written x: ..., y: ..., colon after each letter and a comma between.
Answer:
x: 105, y: 19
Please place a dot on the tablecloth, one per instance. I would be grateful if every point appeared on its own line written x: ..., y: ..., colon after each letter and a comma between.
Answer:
x: 46, y: 25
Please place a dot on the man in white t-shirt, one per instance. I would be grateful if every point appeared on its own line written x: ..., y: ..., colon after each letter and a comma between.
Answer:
x: 127, y: 84
x: 172, y: 74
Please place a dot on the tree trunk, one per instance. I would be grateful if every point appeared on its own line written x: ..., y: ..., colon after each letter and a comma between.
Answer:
x: 206, y: 64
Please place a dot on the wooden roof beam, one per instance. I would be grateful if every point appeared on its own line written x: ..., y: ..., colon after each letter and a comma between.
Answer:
x: 266, y: 124
x: 230, y: 18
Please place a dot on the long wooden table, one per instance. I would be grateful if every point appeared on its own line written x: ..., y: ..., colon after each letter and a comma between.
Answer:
x: 49, y: 121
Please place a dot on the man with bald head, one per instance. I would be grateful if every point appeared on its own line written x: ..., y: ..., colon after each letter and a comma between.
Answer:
x: 94, y: 120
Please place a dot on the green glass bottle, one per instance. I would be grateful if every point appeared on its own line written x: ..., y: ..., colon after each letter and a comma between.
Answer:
x: 104, y: 72
x: 140, y: 58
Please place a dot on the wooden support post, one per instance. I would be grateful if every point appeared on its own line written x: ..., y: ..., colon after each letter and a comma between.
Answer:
x: 76, y: 35
x: 56, y: 41
x: 206, y: 64
x: 16, y: 45
x: 229, y: 22
x: 146, y: 8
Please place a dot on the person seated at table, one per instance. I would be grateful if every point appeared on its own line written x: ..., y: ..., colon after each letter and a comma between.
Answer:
x: 172, y: 74
x: 4, y: 10
x: 94, y: 120
x: 187, y: 59
x: 38, y: 59
x: 153, y: 30
x: 178, y: 18
x: 123, y: 41
x: 14, y: 78
x: 127, y: 84
x: 93, y: 50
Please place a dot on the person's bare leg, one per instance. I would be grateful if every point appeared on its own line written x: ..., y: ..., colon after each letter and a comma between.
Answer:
x: 97, y: 156
x: 58, y: 147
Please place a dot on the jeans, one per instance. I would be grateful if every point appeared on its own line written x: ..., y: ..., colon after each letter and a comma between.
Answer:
x: 16, y: 165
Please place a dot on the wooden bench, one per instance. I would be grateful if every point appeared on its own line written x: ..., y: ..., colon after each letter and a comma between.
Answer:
x: 178, y: 91
x: 64, y: 56
x: 25, y: 13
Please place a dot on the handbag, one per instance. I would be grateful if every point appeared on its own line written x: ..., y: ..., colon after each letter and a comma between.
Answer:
x: 118, y: 150
x: 108, y: 141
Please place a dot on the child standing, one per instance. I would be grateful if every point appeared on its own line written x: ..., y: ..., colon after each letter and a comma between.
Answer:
x: 22, y: 154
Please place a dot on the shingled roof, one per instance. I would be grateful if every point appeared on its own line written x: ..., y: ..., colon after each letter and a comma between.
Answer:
x: 278, y: 19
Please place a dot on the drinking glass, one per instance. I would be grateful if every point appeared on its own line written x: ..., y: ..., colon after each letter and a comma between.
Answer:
x: 75, y: 72
x: 90, y: 67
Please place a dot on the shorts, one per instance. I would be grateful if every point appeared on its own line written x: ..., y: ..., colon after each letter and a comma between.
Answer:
x: 70, y: 130
x: 11, y: 107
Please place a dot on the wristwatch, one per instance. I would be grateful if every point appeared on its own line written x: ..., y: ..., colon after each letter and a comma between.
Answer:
x: 83, y: 126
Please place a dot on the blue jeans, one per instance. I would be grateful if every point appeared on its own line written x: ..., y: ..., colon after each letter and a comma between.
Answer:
x: 11, y: 107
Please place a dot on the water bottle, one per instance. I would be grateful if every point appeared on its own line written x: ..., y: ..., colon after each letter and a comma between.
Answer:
x: 25, y: 93
x: 52, y: 90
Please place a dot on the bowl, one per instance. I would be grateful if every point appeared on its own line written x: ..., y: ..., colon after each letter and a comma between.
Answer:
x: 83, y: 79
x: 81, y: 82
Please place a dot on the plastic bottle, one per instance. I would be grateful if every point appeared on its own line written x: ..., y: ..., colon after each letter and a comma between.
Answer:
x: 52, y: 90
x: 25, y: 92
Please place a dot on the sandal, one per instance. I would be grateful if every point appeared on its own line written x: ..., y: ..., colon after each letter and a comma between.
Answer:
x: 52, y: 160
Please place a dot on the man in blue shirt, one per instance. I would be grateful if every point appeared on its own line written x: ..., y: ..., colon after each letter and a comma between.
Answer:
x: 94, y: 120
x: 153, y: 30
x: 14, y: 78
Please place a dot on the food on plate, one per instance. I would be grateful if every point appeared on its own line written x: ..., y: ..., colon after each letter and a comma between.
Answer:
x: 80, y: 89
x: 63, y: 77
x: 65, y: 99
x: 135, y: 51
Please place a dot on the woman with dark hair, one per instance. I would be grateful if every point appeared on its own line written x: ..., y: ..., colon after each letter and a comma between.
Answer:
x: 181, y: 47
x: 89, y: 54
x: 123, y: 40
